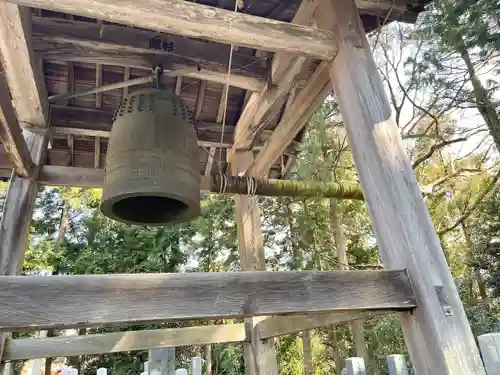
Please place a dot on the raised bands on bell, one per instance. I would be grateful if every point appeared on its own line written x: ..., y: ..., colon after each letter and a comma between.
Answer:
x: 152, y: 169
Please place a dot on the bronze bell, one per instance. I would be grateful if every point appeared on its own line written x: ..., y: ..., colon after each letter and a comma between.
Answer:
x: 152, y: 172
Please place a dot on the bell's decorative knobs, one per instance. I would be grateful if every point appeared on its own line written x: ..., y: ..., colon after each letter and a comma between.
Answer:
x: 152, y: 174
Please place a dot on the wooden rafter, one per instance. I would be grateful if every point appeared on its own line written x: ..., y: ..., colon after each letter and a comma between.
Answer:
x: 201, y: 21
x: 135, y: 298
x: 67, y: 346
x: 11, y: 134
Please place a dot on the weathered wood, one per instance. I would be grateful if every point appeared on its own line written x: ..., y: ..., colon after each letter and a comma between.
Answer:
x: 201, y: 21
x: 283, y: 325
x: 263, y: 106
x: 129, y: 59
x: 263, y: 103
x: 210, y: 161
x: 437, y: 334
x: 38, y: 302
x: 199, y: 100
x: 396, y: 364
x: 51, y: 34
x: 98, y: 83
x: 355, y: 366
x: 97, y: 152
x: 260, y: 355
x: 23, y: 72
x: 178, y: 85
x: 18, y: 209
x: 490, y: 350
x: 293, y: 120
x: 67, y: 346
x: 89, y: 177
x: 11, y: 134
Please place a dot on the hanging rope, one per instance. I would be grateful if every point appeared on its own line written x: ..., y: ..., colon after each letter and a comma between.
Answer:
x: 226, y: 92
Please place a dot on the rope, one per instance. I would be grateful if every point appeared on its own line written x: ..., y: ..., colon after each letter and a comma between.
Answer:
x: 226, y: 93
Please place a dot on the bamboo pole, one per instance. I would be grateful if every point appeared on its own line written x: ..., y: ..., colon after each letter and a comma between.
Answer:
x: 283, y: 188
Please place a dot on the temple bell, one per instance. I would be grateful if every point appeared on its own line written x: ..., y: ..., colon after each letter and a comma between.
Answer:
x: 152, y: 172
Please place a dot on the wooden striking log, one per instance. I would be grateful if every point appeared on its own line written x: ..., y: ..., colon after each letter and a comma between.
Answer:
x: 437, y: 334
x: 89, y: 177
x: 201, y: 21
x: 67, y: 346
x: 11, y: 134
x: 38, y: 302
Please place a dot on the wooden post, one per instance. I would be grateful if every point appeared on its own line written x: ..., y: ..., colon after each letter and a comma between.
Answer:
x: 397, y: 364
x: 196, y: 366
x: 260, y: 355
x: 355, y: 366
x: 490, y: 349
x: 161, y: 361
x: 437, y: 333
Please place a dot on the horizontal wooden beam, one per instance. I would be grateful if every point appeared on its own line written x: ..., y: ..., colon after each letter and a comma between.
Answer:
x: 68, y: 346
x: 283, y: 325
x: 42, y: 302
x: 94, y: 178
x: 65, y: 40
x: 11, y: 134
x: 201, y: 21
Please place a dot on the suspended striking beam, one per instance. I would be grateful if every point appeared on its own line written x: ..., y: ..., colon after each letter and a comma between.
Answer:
x: 11, y: 134
x: 69, y: 346
x: 94, y: 178
x: 201, y: 21
x: 42, y: 302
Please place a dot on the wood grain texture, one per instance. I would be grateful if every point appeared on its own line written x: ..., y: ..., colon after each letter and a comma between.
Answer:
x: 490, y: 350
x: 201, y: 21
x: 11, y: 134
x: 73, y: 35
x: 260, y: 355
x: 24, y: 75
x: 38, y: 302
x: 139, y: 60
x: 67, y: 346
x: 293, y: 120
x: 438, y: 343
x: 283, y: 325
x: 264, y: 103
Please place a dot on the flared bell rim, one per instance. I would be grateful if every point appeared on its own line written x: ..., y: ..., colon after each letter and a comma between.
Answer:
x: 192, y: 208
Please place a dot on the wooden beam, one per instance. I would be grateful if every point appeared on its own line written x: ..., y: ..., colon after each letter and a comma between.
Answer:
x: 259, y: 355
x: 437, y: 334
x: 178, y: 85
x: 68, y: 346
x: 57, y: 37
x: 98, y: 83
x: 40, y: 302
x: 284, y: 325
x: 293, y: 120
x: 126, y: 77
x: 97, y: 152
x: 21, y: 67
x: 199, y: 100
x: 201, y: 21
x: 210, y: 161
x: 89, y: 177
x: 11, y: 134
x: 284, y: 70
